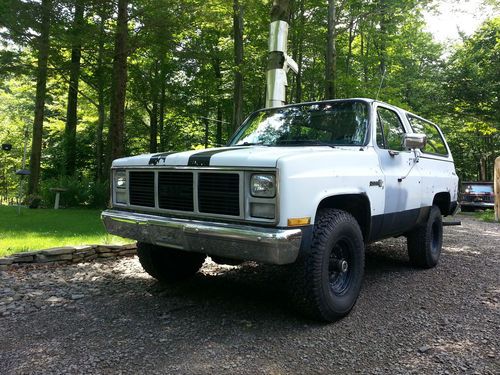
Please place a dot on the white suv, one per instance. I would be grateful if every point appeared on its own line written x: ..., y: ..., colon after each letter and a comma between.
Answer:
x: 306, y: 185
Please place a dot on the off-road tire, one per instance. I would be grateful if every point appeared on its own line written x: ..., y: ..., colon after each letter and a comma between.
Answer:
x: 319, y: 288
x: 168, y: 265
x: 425, y: 241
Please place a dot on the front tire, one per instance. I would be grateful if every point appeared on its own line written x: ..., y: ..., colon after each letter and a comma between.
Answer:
x: 425, y: 241
x: 168, y: 265
x: 328, y: 278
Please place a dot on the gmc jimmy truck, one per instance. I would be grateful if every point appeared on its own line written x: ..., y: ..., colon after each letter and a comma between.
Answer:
x: 305, y: 185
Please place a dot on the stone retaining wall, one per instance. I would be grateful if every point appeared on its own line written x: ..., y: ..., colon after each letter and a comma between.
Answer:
x: 68, y: 254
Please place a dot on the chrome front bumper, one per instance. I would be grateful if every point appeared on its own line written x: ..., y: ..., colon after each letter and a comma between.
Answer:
x: 268, y: 245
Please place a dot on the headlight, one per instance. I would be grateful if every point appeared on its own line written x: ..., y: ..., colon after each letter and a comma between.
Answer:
x: 263, y: 185
x: 120, y: 179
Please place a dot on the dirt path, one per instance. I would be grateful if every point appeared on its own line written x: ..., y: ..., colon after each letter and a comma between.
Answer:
x: 111, y: 317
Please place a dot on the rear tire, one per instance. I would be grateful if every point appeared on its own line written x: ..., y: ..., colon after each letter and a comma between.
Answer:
x: 425, y: 241
x: 168, y: 265
x: 327, y: 280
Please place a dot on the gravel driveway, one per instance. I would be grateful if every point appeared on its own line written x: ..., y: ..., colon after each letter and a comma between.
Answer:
x: 111, y: 317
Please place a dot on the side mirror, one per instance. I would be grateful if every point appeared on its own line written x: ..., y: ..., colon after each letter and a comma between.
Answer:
x: 414, y: 140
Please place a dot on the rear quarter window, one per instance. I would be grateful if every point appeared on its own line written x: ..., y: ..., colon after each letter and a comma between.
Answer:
x: 435, y: 142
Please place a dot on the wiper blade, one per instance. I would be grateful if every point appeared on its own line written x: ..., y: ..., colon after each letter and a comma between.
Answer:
x: 304, y: 142
x: 251, y: 144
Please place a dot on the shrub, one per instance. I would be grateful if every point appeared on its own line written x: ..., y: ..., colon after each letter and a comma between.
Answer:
x: 98, y: 194
x: 76, y: 193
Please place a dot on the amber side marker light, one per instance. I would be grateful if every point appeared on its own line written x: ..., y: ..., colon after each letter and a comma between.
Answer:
x: 298, y: 221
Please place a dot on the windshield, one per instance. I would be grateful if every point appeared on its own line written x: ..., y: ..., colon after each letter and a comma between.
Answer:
x: 328, y: 123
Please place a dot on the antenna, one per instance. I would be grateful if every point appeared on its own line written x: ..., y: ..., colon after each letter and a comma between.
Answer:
x: 381, y: 82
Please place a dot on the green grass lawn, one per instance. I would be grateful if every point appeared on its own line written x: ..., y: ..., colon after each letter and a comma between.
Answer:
x: 36, y: 229
x: 486, y: 215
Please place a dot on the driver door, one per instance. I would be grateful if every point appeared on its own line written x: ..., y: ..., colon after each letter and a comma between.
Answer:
x: 401, y: 173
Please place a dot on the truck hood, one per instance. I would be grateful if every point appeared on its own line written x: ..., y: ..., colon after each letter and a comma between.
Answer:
x: 249, y: 156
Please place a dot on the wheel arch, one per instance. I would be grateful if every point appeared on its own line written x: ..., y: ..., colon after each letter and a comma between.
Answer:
x: 358, y: 205
x: 443, y: 201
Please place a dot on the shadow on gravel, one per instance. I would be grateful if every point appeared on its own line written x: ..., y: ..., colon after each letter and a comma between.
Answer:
x: 251, y: 290
x: 239, y: 293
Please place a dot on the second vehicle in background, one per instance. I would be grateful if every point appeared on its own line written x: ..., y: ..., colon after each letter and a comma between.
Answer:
x: 477, y: 195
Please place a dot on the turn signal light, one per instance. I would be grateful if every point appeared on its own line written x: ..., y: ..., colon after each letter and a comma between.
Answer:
x: 297, y: 221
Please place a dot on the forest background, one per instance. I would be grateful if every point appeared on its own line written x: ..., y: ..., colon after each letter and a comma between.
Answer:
x: 85, y: 81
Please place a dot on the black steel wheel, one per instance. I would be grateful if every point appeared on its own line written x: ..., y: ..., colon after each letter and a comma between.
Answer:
x: 168, y: 265
x: 425, y: 241
x: 328, y: 278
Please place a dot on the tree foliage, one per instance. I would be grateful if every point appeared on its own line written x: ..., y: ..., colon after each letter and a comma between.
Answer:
x: 187, y: 62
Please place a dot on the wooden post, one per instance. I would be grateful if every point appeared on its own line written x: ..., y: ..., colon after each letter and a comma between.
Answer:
x: 497, y: 188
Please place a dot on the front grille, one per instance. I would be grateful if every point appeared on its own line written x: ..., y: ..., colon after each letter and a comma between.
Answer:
x: 142, y: 188
x: 219, y: 193
x: 175, y: 191
x: 479, y: 198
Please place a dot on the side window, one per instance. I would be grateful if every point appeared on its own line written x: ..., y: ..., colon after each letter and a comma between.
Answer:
x: 435, y: 143
x: 380, y: 134
x: 389, y: 129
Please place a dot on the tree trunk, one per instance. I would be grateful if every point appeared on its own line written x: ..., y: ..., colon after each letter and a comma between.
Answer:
x: 153, y: 127
x: 496, y: 184
x: 207, y: 132
x: 280, y: 10
x: 154, y: 97
x: 41, y: 88
x: 216, y: 63
x: 218, y: 135
x: 119, y: 85
x: 364, y: 58
x: 238, y: 65
x: 482, y: 169
x: 101, y: 105
x: 276, y: 59
x: 382, y: 45
x: 349, y: 52
x: 331, y: 53
x: 74, y: 77
x: 162, y: 103
x: 297, y: 21
x: 300, y: 53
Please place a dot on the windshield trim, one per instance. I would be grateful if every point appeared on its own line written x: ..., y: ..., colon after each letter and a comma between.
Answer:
x: 367, y: 102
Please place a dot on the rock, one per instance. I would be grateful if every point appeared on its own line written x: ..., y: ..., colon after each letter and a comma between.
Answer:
x: 107, y: 255
x: 4, y: 267
x: 90, y: 251
x: 130, y: 246
x: 58, y: 251
x: 23, y: 257
x: 40, y: 258
x: 424, y: 349
x: 128, y: 252
x: 108, y: 248
x: 76, y: 297
x: 83, y: 248
x: 6, y: 261
x: 55, y: 299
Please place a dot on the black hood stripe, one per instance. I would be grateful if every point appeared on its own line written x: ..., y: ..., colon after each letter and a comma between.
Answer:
x: 155, y: 159
x: 202, y: 159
